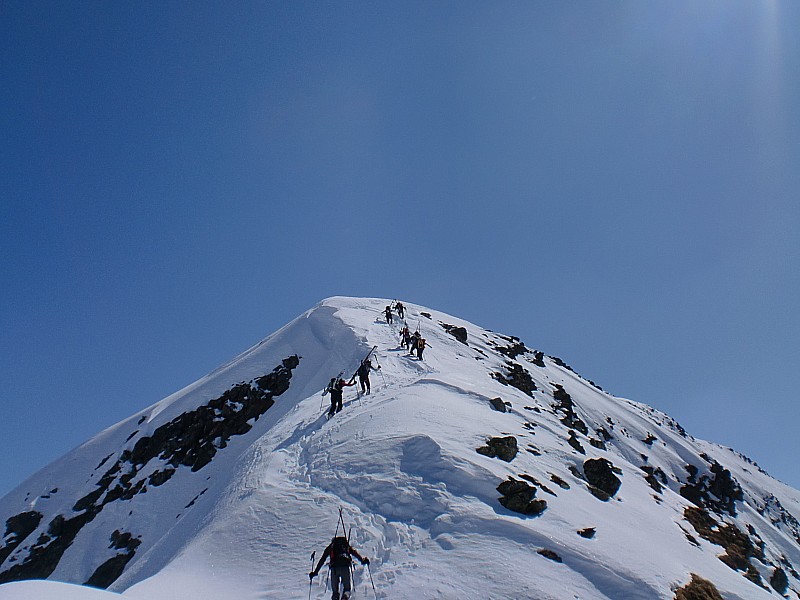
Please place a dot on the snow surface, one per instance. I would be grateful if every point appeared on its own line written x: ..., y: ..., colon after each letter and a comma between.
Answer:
x: 416, y: 496
x: 52, y: 590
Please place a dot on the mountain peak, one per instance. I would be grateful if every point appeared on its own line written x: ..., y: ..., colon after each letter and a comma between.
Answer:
x: 485, y: 465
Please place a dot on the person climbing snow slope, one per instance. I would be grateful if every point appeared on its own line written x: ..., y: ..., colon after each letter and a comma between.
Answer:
x: 340, y: 552
x: 414, y: 339
x: 405, y: 338
x: 363, y: 374
x: 336, y: 390
x: 420, y: 346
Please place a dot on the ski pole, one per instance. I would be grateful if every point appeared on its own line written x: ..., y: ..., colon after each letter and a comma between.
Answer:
x: 352, y: 566
x: 380, y: 370
x: 372, y: 582
x: 311, y: 579
x: 358, y: 395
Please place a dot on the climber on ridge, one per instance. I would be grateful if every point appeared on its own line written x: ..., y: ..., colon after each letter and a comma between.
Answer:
x: 340, y: 552
x: 363, y: 374
x: 388, y: 312
x: 405, y: 338
x: 413, y: 341
x: 336, y: 389
x: 421, y: 344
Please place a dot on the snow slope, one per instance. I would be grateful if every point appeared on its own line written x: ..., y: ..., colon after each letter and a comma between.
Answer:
x: 188, y: 500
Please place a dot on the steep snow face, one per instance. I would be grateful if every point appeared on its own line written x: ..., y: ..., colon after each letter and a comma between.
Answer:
x: 484, y: 470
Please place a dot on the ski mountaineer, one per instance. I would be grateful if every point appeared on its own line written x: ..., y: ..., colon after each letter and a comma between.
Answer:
x: 420, y: 346
x: 363, y: 374
x: 339, y: 551
x: 415, y: 337
x: 336, y: 389
x: 405, y: 338
x: 388, y: 311
x: 401, y: 310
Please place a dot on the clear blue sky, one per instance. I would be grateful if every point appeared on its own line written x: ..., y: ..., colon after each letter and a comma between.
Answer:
x: 614, y: 182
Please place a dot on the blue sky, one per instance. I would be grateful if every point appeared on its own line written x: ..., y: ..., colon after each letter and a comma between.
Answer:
x: 614, y: 182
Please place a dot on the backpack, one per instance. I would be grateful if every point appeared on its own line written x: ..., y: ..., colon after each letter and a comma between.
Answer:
x: 421, y: 342
x: 363, y: 370
x: 331, y: 386
x: 340, y: 552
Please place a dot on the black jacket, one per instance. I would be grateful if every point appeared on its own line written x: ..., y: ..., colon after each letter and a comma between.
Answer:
x: 342, y: 561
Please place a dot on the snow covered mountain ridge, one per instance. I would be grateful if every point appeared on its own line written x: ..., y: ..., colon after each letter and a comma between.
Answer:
x: 485, y: 470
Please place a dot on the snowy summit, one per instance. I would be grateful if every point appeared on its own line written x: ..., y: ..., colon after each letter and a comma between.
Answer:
x: 483, y: 469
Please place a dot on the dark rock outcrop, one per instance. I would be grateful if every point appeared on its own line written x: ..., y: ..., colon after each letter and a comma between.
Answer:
x: 104, y: 461
x: 108, y: 572
x: 190, y: 440
x: 698, y: 589
x: 160, y: 477
x: 516, y: 376
x: 562, y: 364
x: 575, y: 443
x: 739, y: 548
x: 587, y: 533
x: 549, y: 554
x: 498, y: 404
x: 777, y: 513
x: 195, y: 499
x: 603, y: 434
x: 716, y: 490
x: 567, y: 406
x: 538, y: 484
x: 599, y: 444
x: 193, y: 438
x: 514, y: 349
x: 504, y: 448
x: 600, y: 475
x: 655, y: 476
x: 460, y: 333
x: 45, y: 554
x: 779, y: 581
x: 518, y: 496
x: 18, y: 528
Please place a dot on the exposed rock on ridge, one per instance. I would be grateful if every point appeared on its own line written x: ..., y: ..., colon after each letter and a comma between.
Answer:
x: 190, y: 440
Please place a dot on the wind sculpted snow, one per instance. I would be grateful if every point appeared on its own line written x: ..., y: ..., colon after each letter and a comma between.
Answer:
x: 235, y: 505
